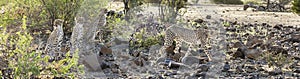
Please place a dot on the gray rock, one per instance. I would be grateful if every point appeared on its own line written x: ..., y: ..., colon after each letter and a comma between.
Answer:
x: 91, y: 61
x: 252, y: 53
x: 208, y: 16
x: 190, y: 60
x: 117, y: 41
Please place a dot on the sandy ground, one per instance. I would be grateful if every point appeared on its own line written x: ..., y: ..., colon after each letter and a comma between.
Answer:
x: 231, y: 13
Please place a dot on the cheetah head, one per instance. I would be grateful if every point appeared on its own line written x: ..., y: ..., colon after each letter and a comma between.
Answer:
x: 79, y: 20
x: 58, y: 23
x: 103, y: 11
x: 203, y: 35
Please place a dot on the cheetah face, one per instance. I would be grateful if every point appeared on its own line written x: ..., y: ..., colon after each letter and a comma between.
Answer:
x: 79, y: 20
x: 58, y: 22
x: 103, y: 11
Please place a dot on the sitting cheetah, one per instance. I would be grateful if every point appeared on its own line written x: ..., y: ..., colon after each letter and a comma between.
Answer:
x: 192, y: 37
x: 54, y: 41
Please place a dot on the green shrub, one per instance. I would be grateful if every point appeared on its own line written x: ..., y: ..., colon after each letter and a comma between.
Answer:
x: 27, y: 62
x: 227, y: 1
x: 296, y: 6
x: 42, y: 13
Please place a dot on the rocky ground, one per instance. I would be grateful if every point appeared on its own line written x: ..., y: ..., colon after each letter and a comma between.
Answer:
x: 252, y: 44
x: 258, y: 45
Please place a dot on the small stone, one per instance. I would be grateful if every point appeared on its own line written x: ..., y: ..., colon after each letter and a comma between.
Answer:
x: 139, y: 61
x: 226, y: 67
x: 104, y: 65
x: 208, y: 17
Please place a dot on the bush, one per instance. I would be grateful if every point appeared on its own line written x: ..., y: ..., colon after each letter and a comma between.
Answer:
x: 227, y: 1
x: 27, y: 62
x: 296, y: 6
x: 41, y: 13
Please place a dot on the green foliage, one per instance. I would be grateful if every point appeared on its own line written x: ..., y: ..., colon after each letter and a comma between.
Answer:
x: 296, y: 6
x: 177, y: 4
x: 142, y: 42
x: 63, y: 9
x: 227, y: 1
x: 173, y: 8
x: 22, y: 68
x: 226, y: 24
x: 113, y: 23
x: 41, y: 13
x: 26, y: 61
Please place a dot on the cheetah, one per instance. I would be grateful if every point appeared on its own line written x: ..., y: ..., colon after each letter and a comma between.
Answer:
x: 54, y: 41
x: 77, y: 34
x: 194, y: 38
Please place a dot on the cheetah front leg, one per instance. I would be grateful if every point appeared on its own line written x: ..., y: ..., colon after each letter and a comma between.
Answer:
x: 206, y: 52
x: 178, y: 45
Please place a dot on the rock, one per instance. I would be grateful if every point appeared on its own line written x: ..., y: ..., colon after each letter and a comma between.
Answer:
x: 190, y: 60
x: 277, y: 49
x: 231, y: 29
x: 237, y: 45
x: 116, y: 41
x: 239, y: 69
x: 105, y: 65
x: 239, y: 53
x: 139, y: 61
x: 294, y: 38
x: 91, y: 61
x: 154, y: 49
x: 252, y: 53
x: 105, y: 51
x: 226, y: 67
x: 278, y: 26
x: 275, y: 72
x: 160, y: 60
x: 208, y: 16
x: 253, y: 42
x: 203, y: 67
x: 199, y: 21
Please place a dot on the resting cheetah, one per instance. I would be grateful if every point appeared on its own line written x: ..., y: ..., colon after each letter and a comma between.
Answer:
x: 55, y: 39
x: 193, y: 37
x: 77, y: 34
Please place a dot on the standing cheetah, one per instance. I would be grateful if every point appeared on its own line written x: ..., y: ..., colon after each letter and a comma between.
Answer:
x: 192, y: 37
x: 55, y: 39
